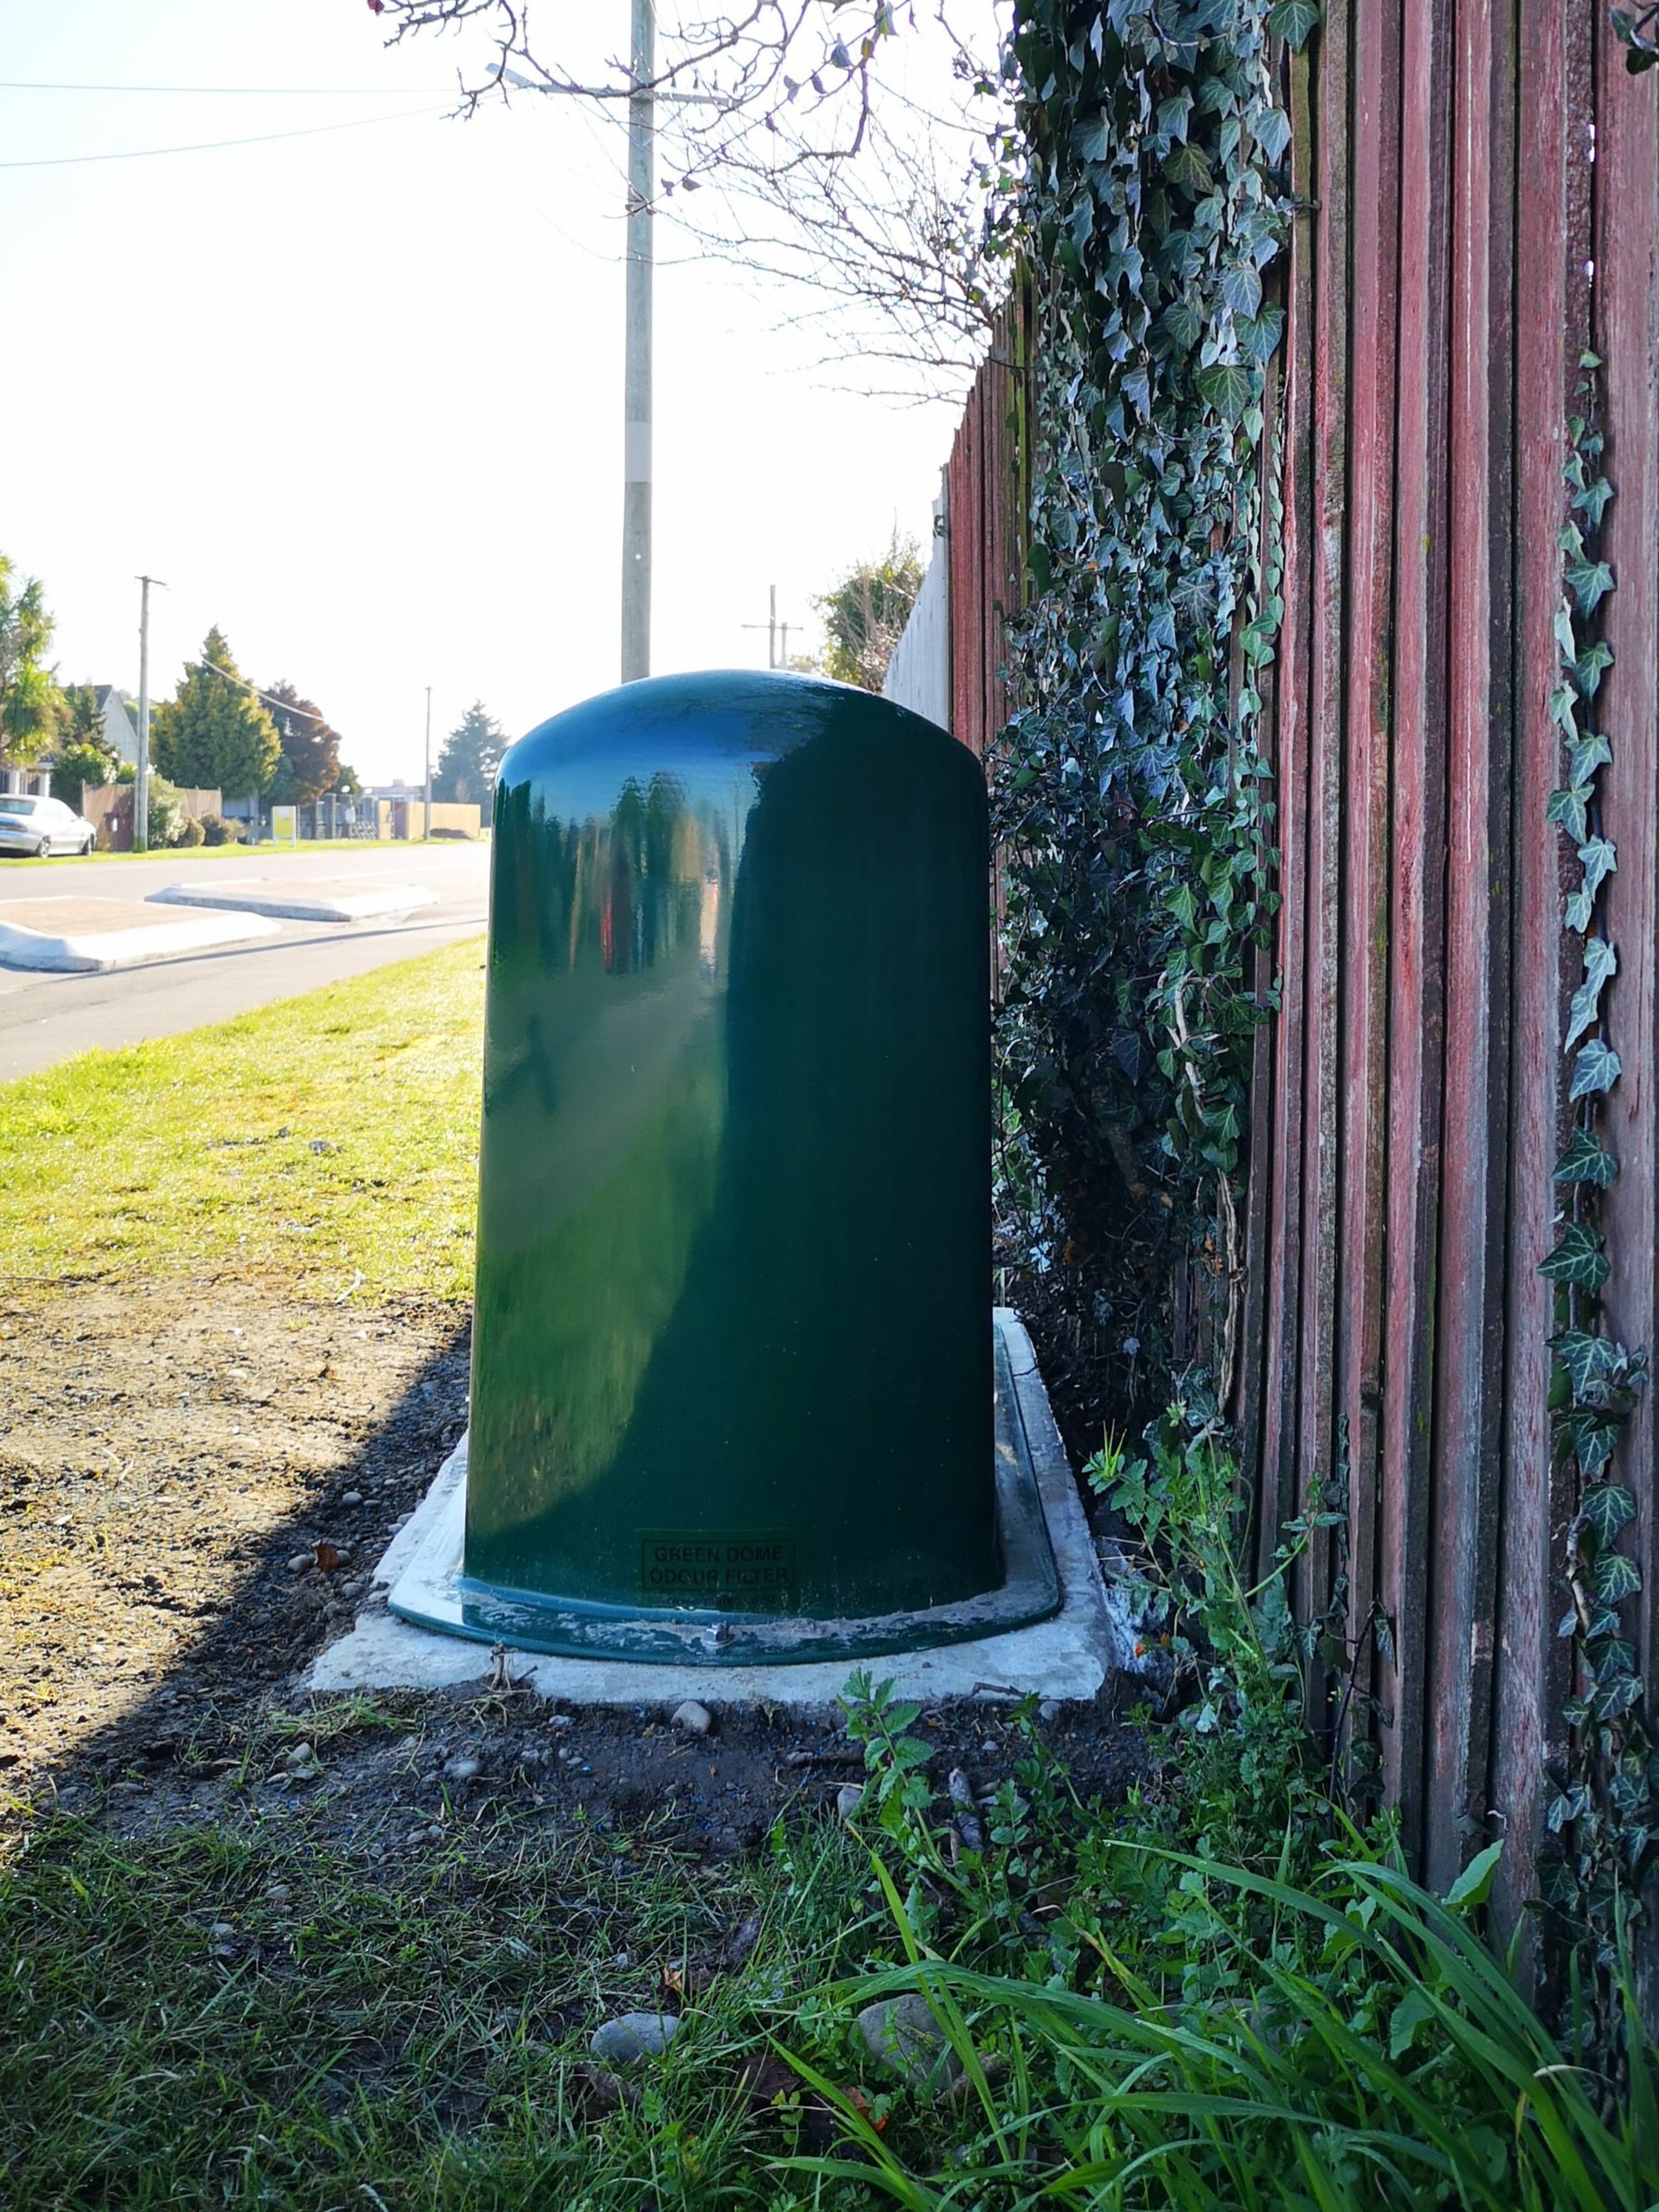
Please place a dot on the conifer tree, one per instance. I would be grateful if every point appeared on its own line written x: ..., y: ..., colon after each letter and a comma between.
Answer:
x: 472, y: 752
x: 214, y: 734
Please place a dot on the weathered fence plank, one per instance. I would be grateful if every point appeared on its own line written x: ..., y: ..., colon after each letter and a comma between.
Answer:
x: 1529, y: 1660
x: 1365, y: 856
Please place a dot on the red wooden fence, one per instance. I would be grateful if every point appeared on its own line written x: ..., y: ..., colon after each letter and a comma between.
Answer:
x: 1478, y: 197
x: 985, y: 532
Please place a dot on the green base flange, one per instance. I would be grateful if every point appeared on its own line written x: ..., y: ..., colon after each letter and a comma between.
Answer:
x: 434, y: 1592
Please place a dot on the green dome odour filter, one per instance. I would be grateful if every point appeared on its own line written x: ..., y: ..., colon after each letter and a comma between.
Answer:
x: 733, y: 1352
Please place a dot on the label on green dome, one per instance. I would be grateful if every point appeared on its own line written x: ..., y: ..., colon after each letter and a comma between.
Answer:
x: 722, y: 1570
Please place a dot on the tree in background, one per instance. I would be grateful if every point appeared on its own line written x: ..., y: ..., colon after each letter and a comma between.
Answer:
x: 311, y: 747
x: 84, y: 755
x: 31, y: 704
x: 865, y: 614
x: 465, y: 773
x: 214, y: 734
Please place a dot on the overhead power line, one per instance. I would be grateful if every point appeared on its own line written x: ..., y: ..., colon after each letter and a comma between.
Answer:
x: 270, y: 698
x: 239, y: 91
x: 215, y: 145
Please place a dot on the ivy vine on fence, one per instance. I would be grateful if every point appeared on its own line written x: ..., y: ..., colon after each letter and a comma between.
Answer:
x: 1604, y: 1804
x: 1131, y: 796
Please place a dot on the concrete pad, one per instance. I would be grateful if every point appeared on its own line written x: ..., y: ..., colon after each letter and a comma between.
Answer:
x: 83, y: 934
x: 317, y: 898
x: 1070, y: 1655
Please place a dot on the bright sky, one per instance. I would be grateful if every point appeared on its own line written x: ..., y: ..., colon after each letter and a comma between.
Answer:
x: 356, y: 395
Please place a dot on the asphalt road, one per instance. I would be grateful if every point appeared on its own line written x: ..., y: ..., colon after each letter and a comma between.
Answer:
x: 46, y: 1017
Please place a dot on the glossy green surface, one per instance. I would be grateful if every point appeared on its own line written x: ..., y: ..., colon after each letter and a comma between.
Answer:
x: 733, y: 1345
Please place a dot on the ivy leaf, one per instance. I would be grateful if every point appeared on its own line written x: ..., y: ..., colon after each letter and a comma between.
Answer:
x: 1617, y: 1577
x: 1226, y: 387
x: 1585, y: 755
x: 1172, y: 115
x: 1568, y: 807
x: 1609, y: 1510
x: 1564, y: 638
x: 1577, y: 1800
x: 1593, y: 1433
x: 1589, y: 1359
x: 1597, y: 1069
x: 1182, y: 325
x: 1292, y: 20
x: 1189, y: 165
x: 1089, y: 140
x: 1578, y: 1258
x: 1241, y: 287
x: 1617, y: 1697
x: 1600, y: 962
x: 1594, y: 498
x: 1615, y: 1662
x: 1587, y: 1159
x: 1272, y: 133
x: 1601, y: 857
x: 1586, y: 670
x: 1259, y: 335
x: 1589, y: 582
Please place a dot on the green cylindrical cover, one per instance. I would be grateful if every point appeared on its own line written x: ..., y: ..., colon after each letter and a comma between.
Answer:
x: 732, y: 1350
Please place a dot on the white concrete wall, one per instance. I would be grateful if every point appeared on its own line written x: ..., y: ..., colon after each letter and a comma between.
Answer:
x: 918, y: 674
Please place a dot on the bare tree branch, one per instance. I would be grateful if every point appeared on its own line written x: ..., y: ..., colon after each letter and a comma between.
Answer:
x: 787, y: 150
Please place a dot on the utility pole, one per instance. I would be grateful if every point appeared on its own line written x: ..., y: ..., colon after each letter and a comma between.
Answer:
x: 775, y: 632
x: 425, y: 824
x: 636, y: 469
x: 141, y: 782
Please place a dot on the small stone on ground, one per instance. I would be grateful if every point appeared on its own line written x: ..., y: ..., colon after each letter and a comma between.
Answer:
x: 634, y: 2035
x: 903, y: 2033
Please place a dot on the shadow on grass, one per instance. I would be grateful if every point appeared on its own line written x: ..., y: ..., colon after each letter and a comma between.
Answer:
x: 258, y: 1949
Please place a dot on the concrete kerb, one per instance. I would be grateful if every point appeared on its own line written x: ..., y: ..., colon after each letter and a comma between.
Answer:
x: 323, y: 902
x: 89, y: 935
x: 1070, y: 1657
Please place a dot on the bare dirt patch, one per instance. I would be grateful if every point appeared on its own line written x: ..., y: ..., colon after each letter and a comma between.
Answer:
x: 165, y: 1452
x: 196, y: 1482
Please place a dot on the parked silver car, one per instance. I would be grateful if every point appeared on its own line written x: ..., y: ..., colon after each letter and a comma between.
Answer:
x: 33, y: 825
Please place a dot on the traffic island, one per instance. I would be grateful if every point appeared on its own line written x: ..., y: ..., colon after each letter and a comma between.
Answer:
x: 83, y: 935
x: 333, y: 898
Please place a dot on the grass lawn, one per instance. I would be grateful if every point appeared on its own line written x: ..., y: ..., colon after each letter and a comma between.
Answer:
x: 324, y: 1142
x: 262, y: 1983
x: 244, y: 2019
